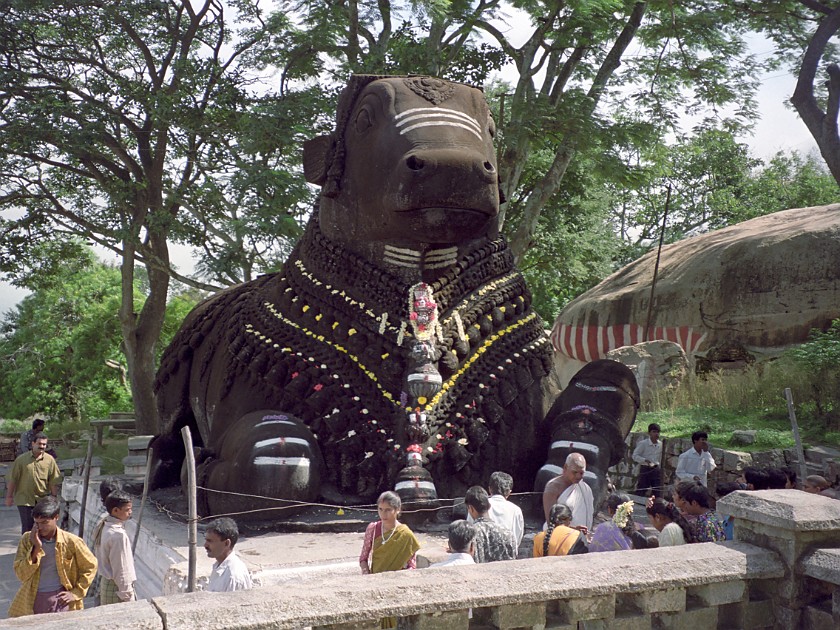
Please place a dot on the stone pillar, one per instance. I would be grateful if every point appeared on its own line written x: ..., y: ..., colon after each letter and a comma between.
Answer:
x: 792, y: 523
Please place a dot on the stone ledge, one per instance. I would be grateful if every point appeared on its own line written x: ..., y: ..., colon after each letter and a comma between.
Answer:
x: 822, y: 564
x: 409, y: 593
x: 791, y: 510
x: 140, y: 615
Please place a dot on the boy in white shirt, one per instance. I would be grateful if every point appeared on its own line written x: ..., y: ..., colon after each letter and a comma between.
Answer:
x: 113, y: 551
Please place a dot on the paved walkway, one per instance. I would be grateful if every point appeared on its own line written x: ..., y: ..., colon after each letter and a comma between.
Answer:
x: 9, y: 537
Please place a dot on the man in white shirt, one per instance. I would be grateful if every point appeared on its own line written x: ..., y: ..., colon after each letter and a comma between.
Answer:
x: 229, y: 572
x: 697, y: 462
x: 507, y: 514
x: 461, y: 545
x: 567, y: 488
x: 648, y: 454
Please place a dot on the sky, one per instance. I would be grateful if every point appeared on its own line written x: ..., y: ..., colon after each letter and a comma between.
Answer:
x: 778, y: 129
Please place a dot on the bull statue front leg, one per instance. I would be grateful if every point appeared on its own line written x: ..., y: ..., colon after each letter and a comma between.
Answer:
x: 592, y: 417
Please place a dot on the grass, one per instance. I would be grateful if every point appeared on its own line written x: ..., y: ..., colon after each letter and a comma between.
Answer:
x: 749, y: 400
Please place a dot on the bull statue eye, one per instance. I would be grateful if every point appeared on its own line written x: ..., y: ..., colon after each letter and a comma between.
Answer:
x: 364, y: 120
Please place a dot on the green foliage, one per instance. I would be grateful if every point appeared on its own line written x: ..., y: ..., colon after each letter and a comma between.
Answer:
x: 750, y: 399
x: 820, y: 358
x: 59, y: 342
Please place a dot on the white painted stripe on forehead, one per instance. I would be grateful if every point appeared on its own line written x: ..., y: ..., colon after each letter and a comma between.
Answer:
x: 281, y: 461
x: 440, y: 123
x: 281, y: 440
x: 447, y: 114
x: 442, y: 111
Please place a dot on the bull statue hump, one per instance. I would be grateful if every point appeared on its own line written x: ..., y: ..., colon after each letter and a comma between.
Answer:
x: 396, y: 349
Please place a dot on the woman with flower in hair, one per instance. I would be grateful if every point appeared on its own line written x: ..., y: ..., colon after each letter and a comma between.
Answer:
x: 672, y: 527
x: 389, y: 545
x: 695, y: 502
x: 616, y: 533
x: 559, y: 539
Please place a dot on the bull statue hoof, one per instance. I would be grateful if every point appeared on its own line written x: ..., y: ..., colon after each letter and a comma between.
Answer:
x: 398, y: 325
x: 592, y: 416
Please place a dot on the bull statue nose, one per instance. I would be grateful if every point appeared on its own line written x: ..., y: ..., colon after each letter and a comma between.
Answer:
x: 430, y: 163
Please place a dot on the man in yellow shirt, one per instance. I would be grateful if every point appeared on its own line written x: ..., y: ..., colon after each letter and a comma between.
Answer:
x: 55, y: 567
x: 34, y: 475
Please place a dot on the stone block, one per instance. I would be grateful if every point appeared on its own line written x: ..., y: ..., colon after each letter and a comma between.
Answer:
x: 518, y: 615
x: 697, y: 618
x: 630, y: 622
x: 583, y: 608
x: 819, y: 454
x: 140, y: 615
x: 437, y: 620
x: 736, y: 461
x: 665, y: 600
x: 718, y: 593
x: 139, y: 442
x: 352, y: 625
x: 818, y: 618
x: 744, y: 437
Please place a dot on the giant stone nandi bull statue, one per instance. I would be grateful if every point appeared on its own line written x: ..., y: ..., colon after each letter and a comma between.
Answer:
x: 397, y: 347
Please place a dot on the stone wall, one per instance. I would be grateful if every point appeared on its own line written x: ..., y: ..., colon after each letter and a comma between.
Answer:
x: 781, y: 572
x: 819, y: 461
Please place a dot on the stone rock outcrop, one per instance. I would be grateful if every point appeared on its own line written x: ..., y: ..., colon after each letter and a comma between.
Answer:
x: 761, y: 285
x: 657, y: 365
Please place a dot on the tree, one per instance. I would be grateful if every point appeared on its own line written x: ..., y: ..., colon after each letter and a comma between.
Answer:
x: 803, y: 32
x: 572, y: 71
x: 119, y: 124
x: 59, y: 347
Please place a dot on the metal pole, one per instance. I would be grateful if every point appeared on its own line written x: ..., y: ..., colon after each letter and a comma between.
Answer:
x: 191, y: 500
x: 800, y: 452
x: 656, y: 266
x: 88, y: 458
x: 142, y: 500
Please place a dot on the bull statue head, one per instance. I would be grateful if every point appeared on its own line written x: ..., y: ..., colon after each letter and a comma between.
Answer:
x: 410, y: 166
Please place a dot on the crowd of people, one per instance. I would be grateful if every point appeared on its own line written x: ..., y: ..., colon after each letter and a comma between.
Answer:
x: 57, y: 569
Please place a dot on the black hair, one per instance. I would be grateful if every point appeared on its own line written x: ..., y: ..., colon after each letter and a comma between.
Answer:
x: 48, y: 507
x: 226, y: 529
x: 107, y: 486
x: 461, y: 535
x: 500, y: 483
x: 559, y: 512
x: 757, y: 478
x: 117, y: 499
x: 722, y: 489
x: 776, y: 479
x: 667, y: 509
x: 613, y: 501
x: 38, y: 422
x: 790, y: 473
x: 478, y: 499
x: 697, y: 435
x: 653, y: 427
x: 39, y: 436
x: 694, y: 491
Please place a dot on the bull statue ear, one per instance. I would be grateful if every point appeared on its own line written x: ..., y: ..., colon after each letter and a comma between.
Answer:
x: 502, y: 197
x: 316, y: 157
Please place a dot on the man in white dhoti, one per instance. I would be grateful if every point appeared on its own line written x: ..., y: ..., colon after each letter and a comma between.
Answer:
x: 567, y: 488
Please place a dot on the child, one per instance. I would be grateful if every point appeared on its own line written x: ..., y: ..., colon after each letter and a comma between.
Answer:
x: 113, y: 551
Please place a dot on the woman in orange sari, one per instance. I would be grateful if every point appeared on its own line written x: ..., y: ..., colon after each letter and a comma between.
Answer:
x: 559, y: 539
x: 389, y: 545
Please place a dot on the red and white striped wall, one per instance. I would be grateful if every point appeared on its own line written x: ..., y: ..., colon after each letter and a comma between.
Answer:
x: 589, y: 343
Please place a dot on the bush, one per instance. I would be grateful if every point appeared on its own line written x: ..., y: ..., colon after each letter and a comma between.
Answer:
x: 820, y: 358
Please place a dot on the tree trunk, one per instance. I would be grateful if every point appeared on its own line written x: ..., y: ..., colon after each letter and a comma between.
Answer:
x: 821, y: 124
